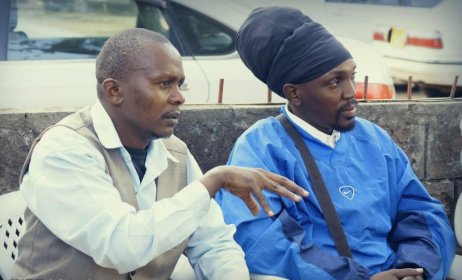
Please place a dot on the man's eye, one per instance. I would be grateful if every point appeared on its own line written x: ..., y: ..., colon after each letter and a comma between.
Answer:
x: 164, y: 84
x: 334, y: 83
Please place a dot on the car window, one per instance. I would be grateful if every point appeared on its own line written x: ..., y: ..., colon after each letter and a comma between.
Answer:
x: 64, y: 29
x: 205, y: 36
x: 77, y: 29
x: 403, y: 3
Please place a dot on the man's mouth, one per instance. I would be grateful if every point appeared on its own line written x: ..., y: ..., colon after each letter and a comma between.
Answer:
x: 349, y: 112
x: 349, y: 109
x: 172, y: 115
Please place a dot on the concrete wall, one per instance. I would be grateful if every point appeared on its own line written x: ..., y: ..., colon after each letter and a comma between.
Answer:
x: 428, y: 131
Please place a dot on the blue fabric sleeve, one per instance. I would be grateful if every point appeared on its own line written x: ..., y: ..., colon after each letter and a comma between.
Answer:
x: 422, y: 235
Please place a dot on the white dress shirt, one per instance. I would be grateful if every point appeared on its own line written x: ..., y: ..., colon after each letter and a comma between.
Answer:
x: 328, y: 139
x: 67, y: 188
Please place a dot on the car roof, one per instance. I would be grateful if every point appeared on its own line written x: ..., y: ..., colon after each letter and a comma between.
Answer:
x: 238, y: 10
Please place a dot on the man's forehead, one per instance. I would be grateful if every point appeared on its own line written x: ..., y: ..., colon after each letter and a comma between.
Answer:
x: 346, y: 67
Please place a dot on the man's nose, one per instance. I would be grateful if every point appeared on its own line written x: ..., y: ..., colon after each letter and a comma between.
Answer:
x: 350, y: 90
x: 177, y: 97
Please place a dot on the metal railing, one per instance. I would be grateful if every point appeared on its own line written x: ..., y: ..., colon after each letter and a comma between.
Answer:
x: 365, y: 99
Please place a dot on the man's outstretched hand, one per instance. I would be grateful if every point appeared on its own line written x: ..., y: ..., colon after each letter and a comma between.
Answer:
x: 242, y: 182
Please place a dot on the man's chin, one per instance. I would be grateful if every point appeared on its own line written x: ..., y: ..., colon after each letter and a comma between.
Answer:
x: 344, y: 127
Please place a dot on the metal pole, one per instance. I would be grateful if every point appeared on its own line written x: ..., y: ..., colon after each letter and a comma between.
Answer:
x: 454, y: 86
x: 220, y: 91
x: 366, y: 79
x: 409, y: 88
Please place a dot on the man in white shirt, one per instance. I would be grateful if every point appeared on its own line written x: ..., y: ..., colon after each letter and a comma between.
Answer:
x: 112, y: 194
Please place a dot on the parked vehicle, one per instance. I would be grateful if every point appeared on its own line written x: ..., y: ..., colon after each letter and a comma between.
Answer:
x: 421, y: 39
x: 85, y: 5
x: 48, y: 57
x: 418, y: 38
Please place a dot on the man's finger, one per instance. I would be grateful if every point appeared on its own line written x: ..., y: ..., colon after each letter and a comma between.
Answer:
x: 263, y: 203
x: 251, y: 204
x: 288, y: 185
x: 281, y: 190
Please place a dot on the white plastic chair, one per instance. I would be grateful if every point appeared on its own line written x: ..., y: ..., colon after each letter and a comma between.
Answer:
x: 12, y: 226
x: 455, y: 272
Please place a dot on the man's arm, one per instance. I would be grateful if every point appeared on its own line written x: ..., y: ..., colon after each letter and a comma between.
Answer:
x: 211, y: 249
x: 422, y: 235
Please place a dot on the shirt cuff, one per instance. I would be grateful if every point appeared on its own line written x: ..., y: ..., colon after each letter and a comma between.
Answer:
x: 197, y: 197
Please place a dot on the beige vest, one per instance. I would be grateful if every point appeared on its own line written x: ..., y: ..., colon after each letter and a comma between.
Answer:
x: 44, y: 256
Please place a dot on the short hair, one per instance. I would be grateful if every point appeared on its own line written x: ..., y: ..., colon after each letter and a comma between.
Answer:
x: 121, y: 50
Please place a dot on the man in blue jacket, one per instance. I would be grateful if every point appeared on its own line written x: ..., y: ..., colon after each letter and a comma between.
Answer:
x: 394, y: 228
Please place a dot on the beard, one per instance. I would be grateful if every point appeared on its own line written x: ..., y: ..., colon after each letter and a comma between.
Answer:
x: 350, y: 122
x: 345, y: 127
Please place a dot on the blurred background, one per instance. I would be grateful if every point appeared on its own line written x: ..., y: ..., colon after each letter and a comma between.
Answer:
x: 48, y: 47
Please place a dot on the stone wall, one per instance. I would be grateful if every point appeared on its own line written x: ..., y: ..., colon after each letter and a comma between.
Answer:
x: 428, y: 131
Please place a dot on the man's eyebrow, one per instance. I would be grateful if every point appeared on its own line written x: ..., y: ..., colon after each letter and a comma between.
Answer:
x: 166, y: 77
x: 157, y: 75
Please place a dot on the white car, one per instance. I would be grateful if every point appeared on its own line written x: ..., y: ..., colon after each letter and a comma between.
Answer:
x: 47, y: 57
x: 419, y: 38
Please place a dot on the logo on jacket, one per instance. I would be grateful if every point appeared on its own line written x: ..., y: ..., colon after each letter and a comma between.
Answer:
x: 347, y: 191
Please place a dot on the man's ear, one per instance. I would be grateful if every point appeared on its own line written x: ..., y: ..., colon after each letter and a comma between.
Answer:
x: 292, y: 94
x: 112, y: 91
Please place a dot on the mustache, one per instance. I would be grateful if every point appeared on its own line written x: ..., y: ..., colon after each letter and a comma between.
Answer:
x: 351, y: 102
x: 168, y: 115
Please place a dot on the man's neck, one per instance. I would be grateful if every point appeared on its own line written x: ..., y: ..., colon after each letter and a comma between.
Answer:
x: 328, y: 139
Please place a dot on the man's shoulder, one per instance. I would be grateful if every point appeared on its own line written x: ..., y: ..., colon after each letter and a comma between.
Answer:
x: 263, y: 134
x: 78, y: 119
x: 367, y: 130
x: 364, y: 122
x: 367, y: 125
x: 67, y: 127
x: 264, y: 125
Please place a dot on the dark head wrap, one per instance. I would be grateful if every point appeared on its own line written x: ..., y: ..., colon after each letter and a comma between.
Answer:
x: 281, y: 45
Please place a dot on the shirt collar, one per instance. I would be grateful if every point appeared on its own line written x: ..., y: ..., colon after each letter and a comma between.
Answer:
x: 158, y: 149
x: 104, y: 127
x: 109, y: 138
x: 327, y: 139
